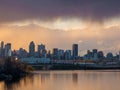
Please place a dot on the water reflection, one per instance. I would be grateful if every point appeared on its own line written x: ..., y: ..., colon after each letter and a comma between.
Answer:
x: 75, y: 77
x: 66, y: 80
x: 14, y: 85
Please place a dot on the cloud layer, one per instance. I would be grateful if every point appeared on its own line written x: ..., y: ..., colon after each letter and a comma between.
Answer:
x: 15, y: 10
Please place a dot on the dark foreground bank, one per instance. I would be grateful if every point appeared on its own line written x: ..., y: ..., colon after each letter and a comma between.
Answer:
x: 11, y: 69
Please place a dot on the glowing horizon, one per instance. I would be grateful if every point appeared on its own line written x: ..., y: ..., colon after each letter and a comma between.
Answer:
x: 20, y: 34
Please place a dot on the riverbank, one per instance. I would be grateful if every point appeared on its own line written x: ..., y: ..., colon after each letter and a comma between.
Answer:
x: 75, y: 67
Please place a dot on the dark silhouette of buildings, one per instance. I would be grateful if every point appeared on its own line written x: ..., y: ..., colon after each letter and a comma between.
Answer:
x: 57, y: 54
x: 32, y: 49
x: 42, y: 51
x: 8, y: 50
x: 75, y: 51
x: 101, y: 55
x: 2, y: 50
x: 5, y: 50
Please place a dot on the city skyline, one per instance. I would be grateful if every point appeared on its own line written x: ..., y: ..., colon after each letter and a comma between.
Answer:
x: 36, y: 48
x: 56, y: 54
x: 6, y: 48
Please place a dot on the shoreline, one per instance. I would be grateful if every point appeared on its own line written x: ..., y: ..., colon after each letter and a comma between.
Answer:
x: 75, y: 67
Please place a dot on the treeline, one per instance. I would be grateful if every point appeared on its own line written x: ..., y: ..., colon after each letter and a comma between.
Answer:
x: 12, y: 69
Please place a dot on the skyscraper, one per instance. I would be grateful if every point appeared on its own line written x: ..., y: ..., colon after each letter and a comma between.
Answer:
x: 2, y: 44
x: 41, y: 50
x: 61, y: 54
x: 109, y: 56
x: 8, y: 49
x: 75, y: 51
x: 95, y: 54
x: 67, y: 54
x: 2, y: 49
x: 22, y: 53
x: 95, y: 51
x: 55, y: 53
x: 41, y: 47
x: 100, y: 55
x: 32, y: 49
x: 119, y: 55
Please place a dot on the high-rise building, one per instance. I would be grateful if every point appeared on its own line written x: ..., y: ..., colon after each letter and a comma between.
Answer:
x: 95, y: 54
x: 119, y: 55
x: 75, y: 51
x: 100, y: 55
x: 61, y: 54
x: 95, y: 51
x: 67, y: 54
x: 109, y: 56
x: 41, y: 50
x: 2, y: 44
x: 22, y: 53
x: 41, y: 47
x: 32, y: 49
x: 2, y: 54
x: 55, y: 53
x: 49, y: 54
x: 89, y: 55
x: 8, y: 50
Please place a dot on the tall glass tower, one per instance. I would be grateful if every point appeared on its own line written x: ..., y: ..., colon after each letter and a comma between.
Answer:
x: 75, y: 51
x: 32, y: 49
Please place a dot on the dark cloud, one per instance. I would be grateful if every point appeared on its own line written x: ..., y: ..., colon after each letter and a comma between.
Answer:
x: 12, y: 10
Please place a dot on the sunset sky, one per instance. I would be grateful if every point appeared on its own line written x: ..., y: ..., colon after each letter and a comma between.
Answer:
x: 60, y: 23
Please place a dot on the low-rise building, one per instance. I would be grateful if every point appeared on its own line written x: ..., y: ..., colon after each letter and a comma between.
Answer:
x: 32, y: 60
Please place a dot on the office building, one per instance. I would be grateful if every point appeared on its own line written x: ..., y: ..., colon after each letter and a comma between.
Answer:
x: 22, y: 53
x: 68, y: 55
x: 8, y: 50
x: 41, y: 51
x: 75, y: 51
x: 100, y: 55
x: 55, y: 54
x: 32, y: 49
x: 2, y: 50
x: 61, y: 54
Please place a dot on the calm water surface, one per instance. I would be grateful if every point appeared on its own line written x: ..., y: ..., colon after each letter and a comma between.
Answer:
x: 66, y: 80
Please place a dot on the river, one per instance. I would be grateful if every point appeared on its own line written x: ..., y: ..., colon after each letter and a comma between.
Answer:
x: 67, y: 80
